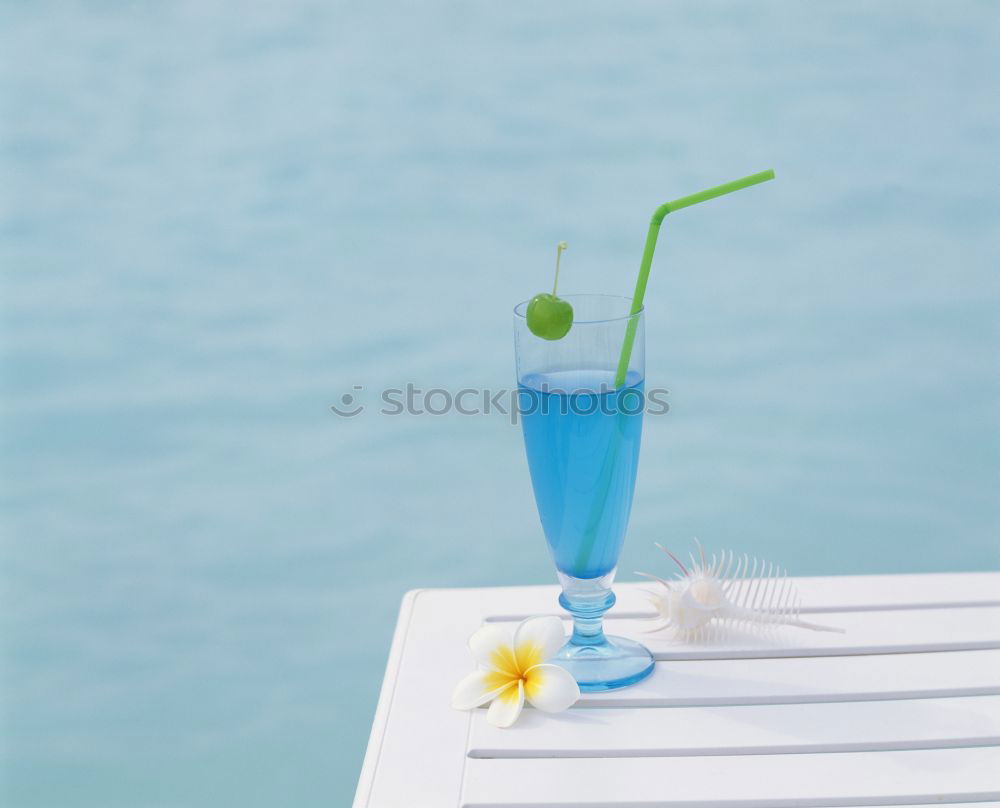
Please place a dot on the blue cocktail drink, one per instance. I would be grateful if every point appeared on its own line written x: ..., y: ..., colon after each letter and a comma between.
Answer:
x: 580, y: 369
x: 581, y: 435
x: 582, y: 440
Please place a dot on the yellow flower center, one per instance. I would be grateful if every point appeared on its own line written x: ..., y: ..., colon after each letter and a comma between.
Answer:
x: 513, y: 665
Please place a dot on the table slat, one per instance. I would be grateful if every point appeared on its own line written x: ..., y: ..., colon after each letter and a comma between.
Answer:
x: 741, y: 781
x: 784, y: 680
x: 819, y: 594
x: 744, y: 730
x: 874, y: 632
x: 430, y: 642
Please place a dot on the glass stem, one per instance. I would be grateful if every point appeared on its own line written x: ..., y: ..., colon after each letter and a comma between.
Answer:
x: 587, y: 599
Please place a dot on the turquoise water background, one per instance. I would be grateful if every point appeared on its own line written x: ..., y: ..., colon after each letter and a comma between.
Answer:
x: 220, y: 217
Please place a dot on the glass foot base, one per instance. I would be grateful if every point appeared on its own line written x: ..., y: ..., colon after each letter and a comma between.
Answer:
x: 615, y: 663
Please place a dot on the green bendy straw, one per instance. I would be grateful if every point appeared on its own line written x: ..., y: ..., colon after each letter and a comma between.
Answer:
x: 647, y: 253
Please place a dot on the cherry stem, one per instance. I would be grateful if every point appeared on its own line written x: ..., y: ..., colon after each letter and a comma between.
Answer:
x: 559, y: 251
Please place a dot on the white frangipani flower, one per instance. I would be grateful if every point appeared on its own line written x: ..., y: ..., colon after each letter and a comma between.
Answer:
x: 512, y: 668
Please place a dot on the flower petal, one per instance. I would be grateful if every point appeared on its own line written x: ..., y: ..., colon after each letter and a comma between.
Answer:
x: 506, y: 707
x: 478, y: 688
x: 491, y: 647
x: 537, y: 640
x: 550, y: 688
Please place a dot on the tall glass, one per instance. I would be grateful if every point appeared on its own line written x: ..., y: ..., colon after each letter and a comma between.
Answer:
x: 582, y: 438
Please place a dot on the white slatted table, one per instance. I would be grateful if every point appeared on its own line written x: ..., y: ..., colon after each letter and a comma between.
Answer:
x: 903, y: 709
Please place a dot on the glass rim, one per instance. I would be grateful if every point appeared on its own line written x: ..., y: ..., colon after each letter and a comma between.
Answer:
x: 521, y: 309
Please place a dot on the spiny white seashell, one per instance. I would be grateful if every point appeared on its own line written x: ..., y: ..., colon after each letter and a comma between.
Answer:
x: 728, y: 589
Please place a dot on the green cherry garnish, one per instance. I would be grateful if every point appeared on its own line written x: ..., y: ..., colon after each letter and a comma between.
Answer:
x: 550, y: 317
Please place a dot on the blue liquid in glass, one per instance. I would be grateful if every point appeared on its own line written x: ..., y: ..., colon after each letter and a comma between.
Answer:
x: 582, y: 439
